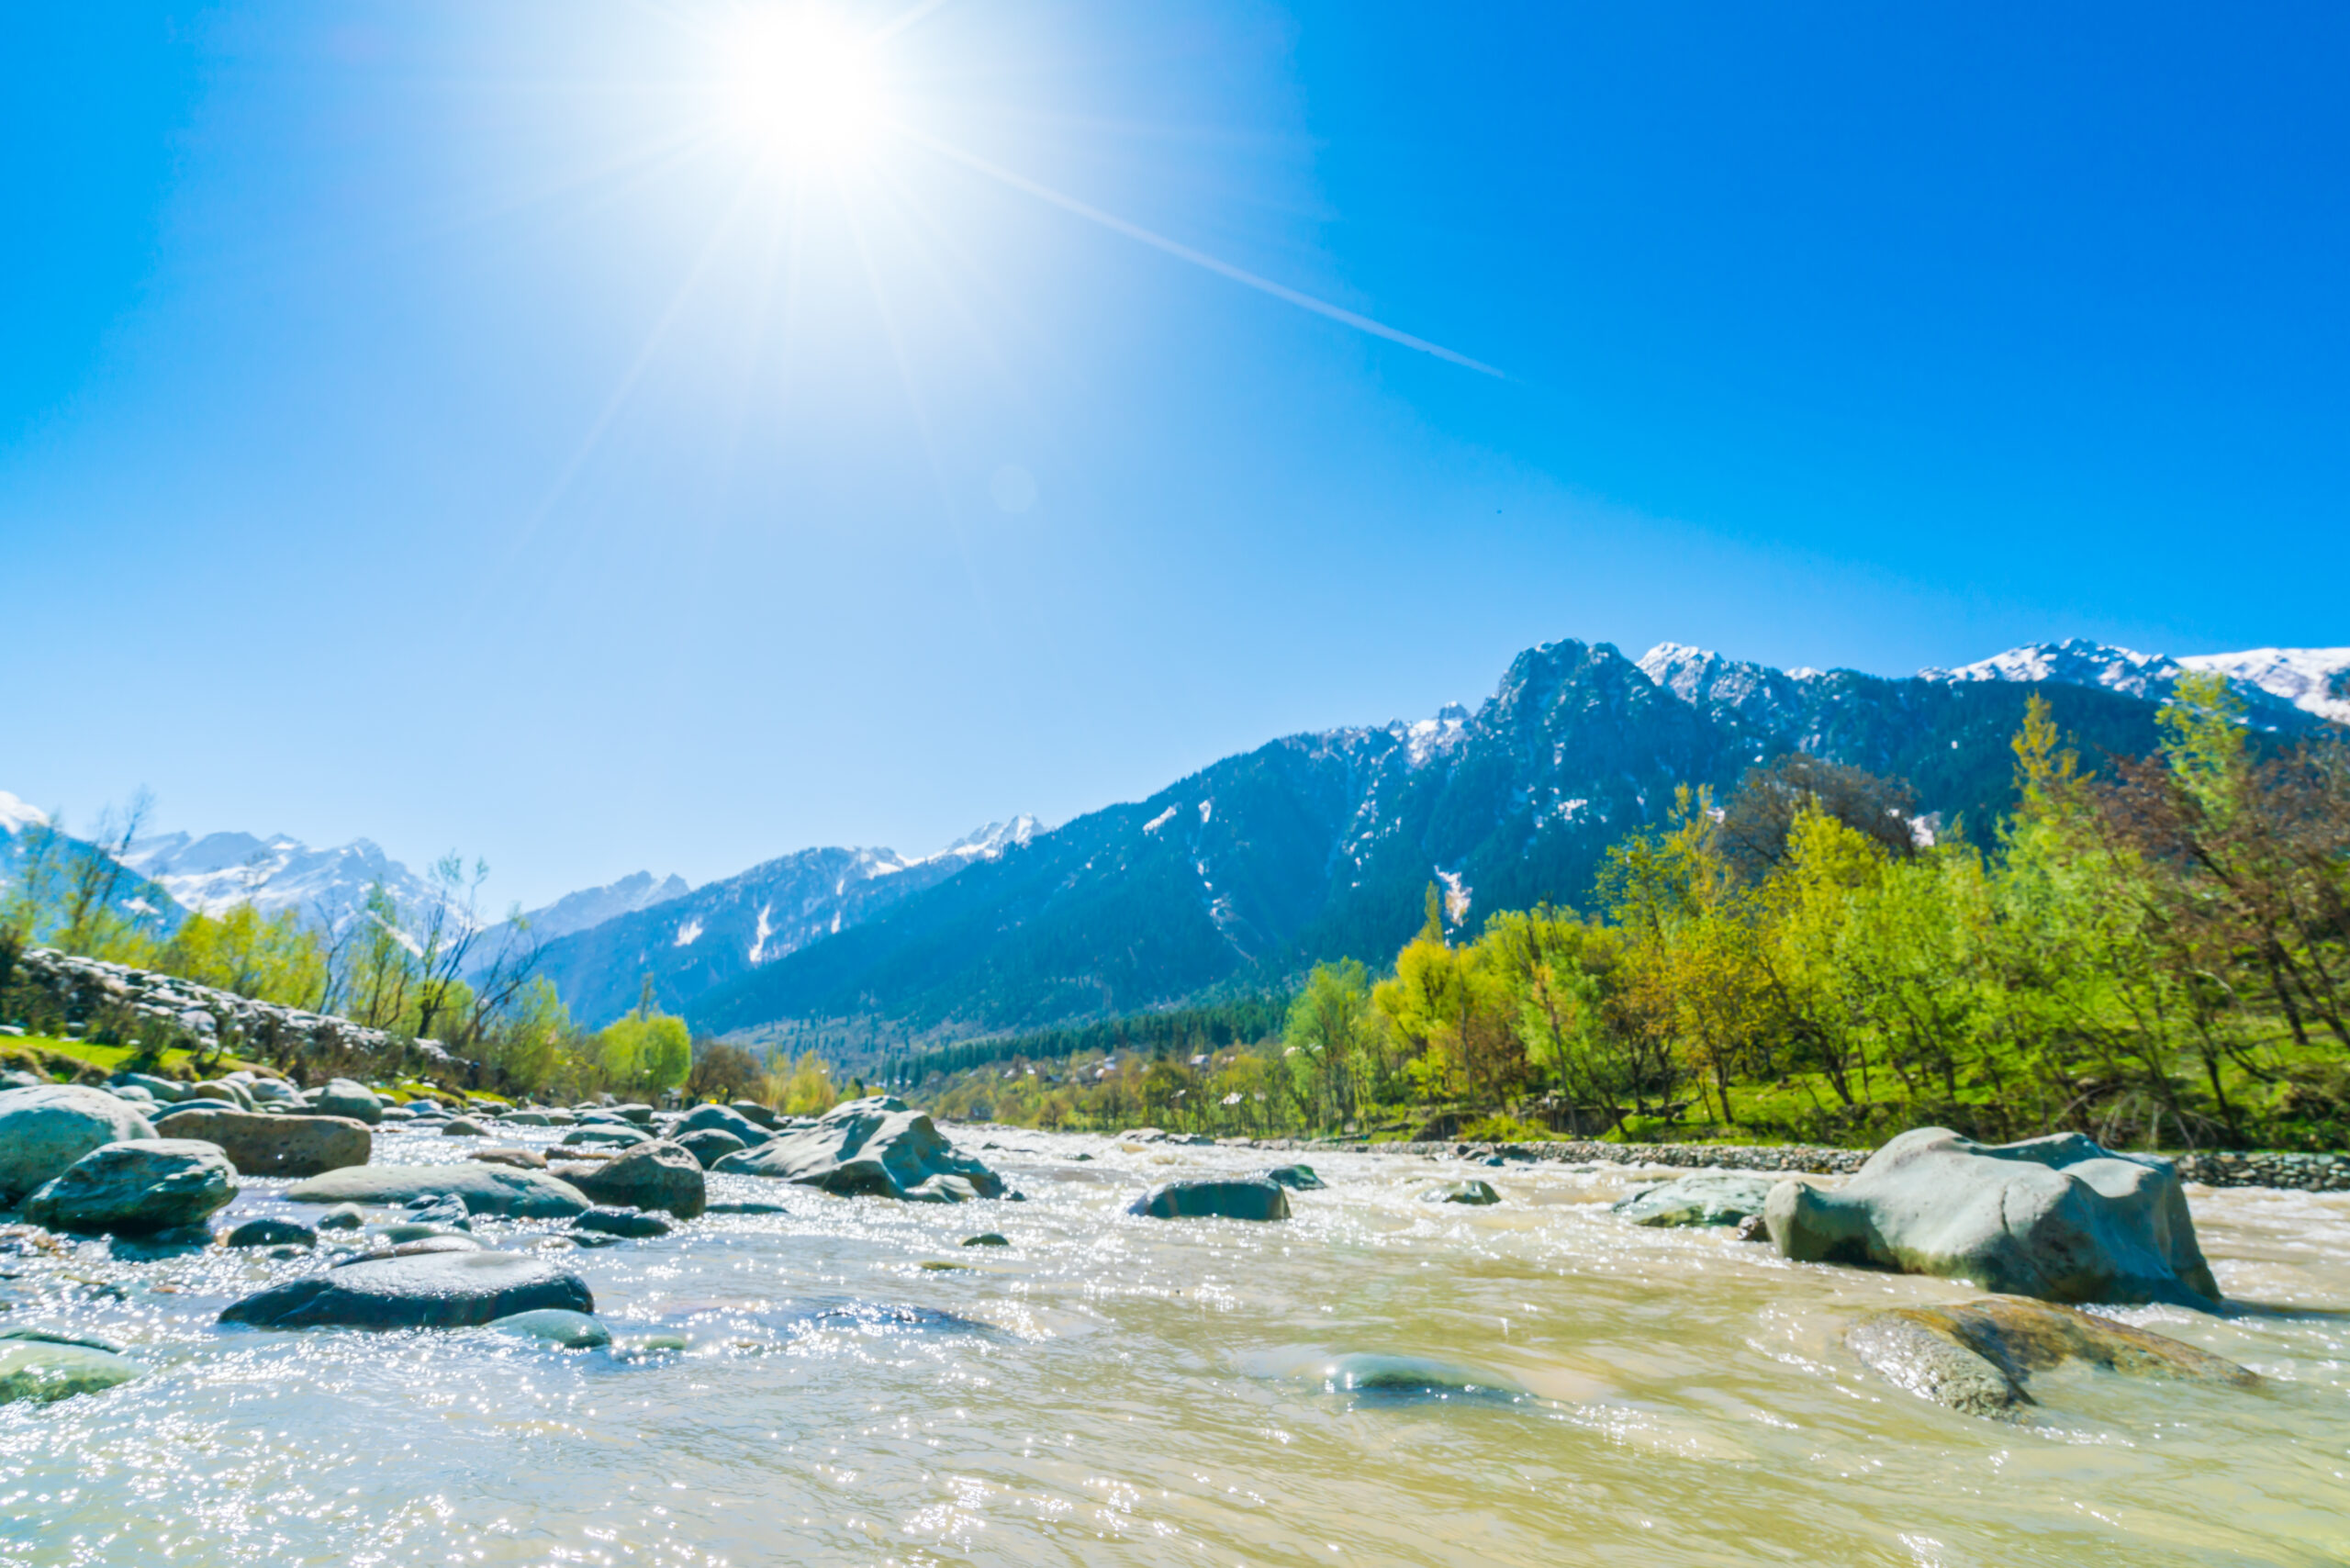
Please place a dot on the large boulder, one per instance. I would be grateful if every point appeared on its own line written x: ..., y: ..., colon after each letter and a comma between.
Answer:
x: 1716, y: 1198
x: 162, y: 1088
x: 483, y: 1189
x: 136, y: 1188
x: 721, y: 1118
x: 755, y: 1111
x: 2056, y: 1217
x: 1214, y: 1197
x: 871, y: 1148
x: 1978, y: 1359
x: 711, y: 1145
x: 433, y: 1290
x: 650, y: 1176
x: 44, y: 1369
x: 342, y: 1097
x: 262, y: 1144
x: 43, y: 1131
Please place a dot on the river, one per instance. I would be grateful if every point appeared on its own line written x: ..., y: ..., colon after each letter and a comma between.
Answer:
x: 855, y: 1386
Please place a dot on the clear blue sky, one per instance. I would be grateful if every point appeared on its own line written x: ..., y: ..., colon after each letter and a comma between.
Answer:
x: 495, y: 425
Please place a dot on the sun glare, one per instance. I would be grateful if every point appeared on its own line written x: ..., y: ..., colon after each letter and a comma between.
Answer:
x: 804, y: 83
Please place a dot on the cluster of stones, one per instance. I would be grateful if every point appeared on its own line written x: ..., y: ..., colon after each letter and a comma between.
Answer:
x: 81, y: 987
x: 1810, y: 1158
x: 2305, y: 1172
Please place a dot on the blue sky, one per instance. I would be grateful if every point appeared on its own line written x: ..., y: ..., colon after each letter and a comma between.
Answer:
x: 492, y: 425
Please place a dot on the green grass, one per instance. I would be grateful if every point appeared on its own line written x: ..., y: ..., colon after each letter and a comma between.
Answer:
x: 31, y: 1048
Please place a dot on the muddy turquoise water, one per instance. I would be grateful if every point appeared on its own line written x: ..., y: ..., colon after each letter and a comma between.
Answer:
x: 1379, y: 1380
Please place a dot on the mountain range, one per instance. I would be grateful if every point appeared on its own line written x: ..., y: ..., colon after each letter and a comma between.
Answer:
x: 1308, y: 847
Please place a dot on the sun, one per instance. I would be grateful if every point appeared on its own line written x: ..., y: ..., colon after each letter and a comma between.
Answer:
x: 804, y: 83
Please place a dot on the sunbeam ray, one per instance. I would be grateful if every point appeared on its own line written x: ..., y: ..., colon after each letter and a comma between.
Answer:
x: 1198, y: 258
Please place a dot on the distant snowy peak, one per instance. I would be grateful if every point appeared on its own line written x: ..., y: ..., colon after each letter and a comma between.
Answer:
x: 1703, y: 678
x: 221, y: 870
x: 17, y: 815
x: 593, y: 906
x: 2076, y: 661
x: 2315, y: 680
x: 986, y: 842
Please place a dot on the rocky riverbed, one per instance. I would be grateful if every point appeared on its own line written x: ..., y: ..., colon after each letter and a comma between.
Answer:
x: 1377, y: 1377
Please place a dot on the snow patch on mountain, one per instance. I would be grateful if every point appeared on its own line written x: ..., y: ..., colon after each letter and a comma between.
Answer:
x: 17, y: 815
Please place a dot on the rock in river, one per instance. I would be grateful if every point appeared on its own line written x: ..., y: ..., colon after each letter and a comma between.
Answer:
x: 1470, y: 1192
x: 136, y: 1188
x: 874, y: 1146
x: 1296, y: 1178
x: 260, y: 1145
x: 721, y: 1118
x: 1978, y: 1359
x: 440, y: 1290
x: 1211, y: 1197
x: 1723, y: 1198
x: 483, y: 1189
x: 711, y: 1145
x: 631, y: 1223
x: 2055, y: 1218
x: 268, y: 1232
x: 44, y: 1130
x: 568, y: 1331
x: 650, y: 1176
x: 342, y: 1097
x: 45, y: 1369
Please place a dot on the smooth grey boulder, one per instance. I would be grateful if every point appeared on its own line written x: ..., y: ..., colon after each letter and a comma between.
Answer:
x: 876, y: 1146
x: 258, y: 1144
x: 605, y: 1135
x: 1470, y: 1192
x: 162, y: 1088
x: 1296, y: 1178
x: 268, y: 1232
x: 711, y: 1145
x: 754, y: 1112
x: 1978, y: 1359
x: 641, y: 1115
x: 2058, y: 1217
x: 43, y: 1131
x: 631, y: 1223
x: 1716, y: 1198
x: 342, y: 1097
x: 721, y: 1118
x: 649, y: 1176
x: 410, y: 1239
x: 463, y: 1126
x: 343, y: 1217
x: 229, y: 1088
x: 44, y: 1369
x: 1214, y: 1197
x: 483, y: 1189
x: 434, y: 1290
x: 527, y: 1118
x: 136, y: 1188
x: 567, y: 1330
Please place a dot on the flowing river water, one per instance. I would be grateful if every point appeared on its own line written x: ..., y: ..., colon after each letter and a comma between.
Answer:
x: 855, y: 1386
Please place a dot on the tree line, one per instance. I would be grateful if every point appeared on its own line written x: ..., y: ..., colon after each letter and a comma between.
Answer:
x: 2154, y: 951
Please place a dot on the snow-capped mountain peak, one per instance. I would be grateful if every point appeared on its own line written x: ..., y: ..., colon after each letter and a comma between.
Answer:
x: 15, y: 815
x: 985, y: 842
x: 2315, y: 680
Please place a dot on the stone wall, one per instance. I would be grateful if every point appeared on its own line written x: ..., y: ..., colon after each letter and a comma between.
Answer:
x: 83, y: 989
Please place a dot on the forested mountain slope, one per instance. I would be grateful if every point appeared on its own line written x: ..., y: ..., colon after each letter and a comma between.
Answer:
x: 1322, y: 844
